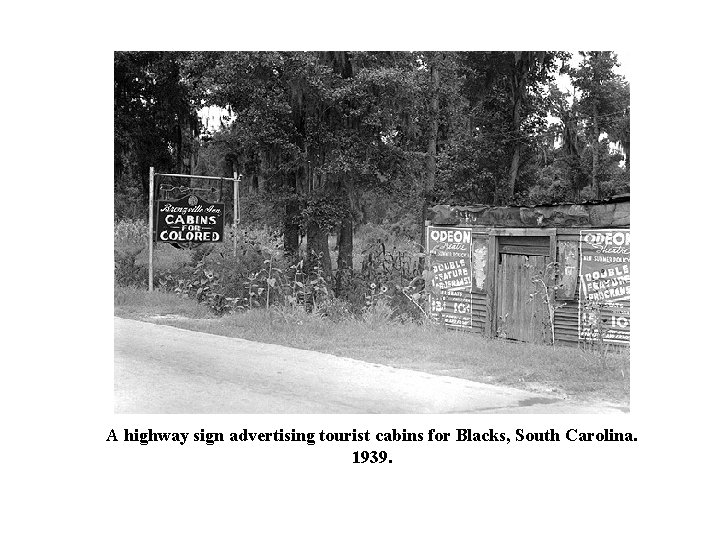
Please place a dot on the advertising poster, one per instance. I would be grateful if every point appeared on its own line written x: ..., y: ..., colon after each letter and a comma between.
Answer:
x: 568, y: 259
x: 480, y: 263
x: 604, y: 307
x: 450, y: 279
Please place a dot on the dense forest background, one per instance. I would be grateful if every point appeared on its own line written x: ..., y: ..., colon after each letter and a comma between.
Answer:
x: 328, y: 141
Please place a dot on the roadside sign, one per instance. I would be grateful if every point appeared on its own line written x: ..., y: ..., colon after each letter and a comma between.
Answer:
x: 189, y: 219
x: 450, y: 279
x: 604, y: 306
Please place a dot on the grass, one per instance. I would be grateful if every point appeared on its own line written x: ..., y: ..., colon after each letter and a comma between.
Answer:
x: 165, y: 257
x: 567, y: 371
x: 134, y: 303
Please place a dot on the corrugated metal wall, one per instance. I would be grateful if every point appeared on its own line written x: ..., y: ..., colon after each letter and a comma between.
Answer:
x: 567, y: 325
x: 567, y: 320
x: 479, y: 295
x: 567, y: 316
x: 479, y: 311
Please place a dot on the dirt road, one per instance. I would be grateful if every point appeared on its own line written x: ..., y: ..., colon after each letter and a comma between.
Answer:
x: 163, y: 369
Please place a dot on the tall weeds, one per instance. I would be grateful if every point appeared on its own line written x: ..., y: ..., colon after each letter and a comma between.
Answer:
x: 385, y: 285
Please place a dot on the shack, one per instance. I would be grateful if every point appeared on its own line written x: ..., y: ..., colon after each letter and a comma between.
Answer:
x: 545, y: 274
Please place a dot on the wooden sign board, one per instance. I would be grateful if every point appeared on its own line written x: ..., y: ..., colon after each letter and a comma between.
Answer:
x: 189, y: 219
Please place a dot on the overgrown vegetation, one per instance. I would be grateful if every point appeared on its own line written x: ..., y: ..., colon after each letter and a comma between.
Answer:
x: 386, y: 283
x: 380, y: 337
x: 329, y: 141
x: 377, y: 317
x: 341, y: 154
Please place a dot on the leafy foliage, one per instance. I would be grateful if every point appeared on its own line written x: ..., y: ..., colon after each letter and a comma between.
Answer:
x: 155, y: 123
x: 332, y: 142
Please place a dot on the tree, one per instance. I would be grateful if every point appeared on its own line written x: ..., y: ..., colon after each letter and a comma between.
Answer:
x: 328, y: 124
x: 155, y: 118
x: 316, y: 135
x: 604, y: 101
x: 525, y: 64
x: 266, y: 91
x: 501, y: 134
x: 434, y: 61
x: 566, y: 171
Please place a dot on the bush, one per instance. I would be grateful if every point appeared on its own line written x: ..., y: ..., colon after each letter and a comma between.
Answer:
x: 257, y: 277
x: 378, y: 314
x: 335, y: 309
x: 390, y: 269
x: 260, y: 277
x: 130, y: 233
x: 127, y: 272
x: 130, y: 238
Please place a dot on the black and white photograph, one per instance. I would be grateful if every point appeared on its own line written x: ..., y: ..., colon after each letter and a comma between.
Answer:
x: 372, y: 232
x: 358, y: 271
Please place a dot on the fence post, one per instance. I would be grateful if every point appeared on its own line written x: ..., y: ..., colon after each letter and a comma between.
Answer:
x: 151, y: 208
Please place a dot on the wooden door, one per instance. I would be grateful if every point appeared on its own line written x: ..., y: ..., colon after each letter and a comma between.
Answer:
x: 521, y: 314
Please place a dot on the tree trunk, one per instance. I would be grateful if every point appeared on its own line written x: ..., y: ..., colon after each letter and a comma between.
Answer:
x: 342, y: 65
x: 514, y: 167
x: 144, y: 183
x: 345, y: 253
x: 595, y: 154
x: 291, y: 231
x: 318, y: 252
x: 626, y: 148
x: 521, y: 69
x: 431, y: 155
x: 515, y: 163
x: 291, y: 227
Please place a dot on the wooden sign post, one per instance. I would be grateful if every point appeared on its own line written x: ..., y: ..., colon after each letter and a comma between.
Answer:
x: 236, y: 210
x: 150, y: 228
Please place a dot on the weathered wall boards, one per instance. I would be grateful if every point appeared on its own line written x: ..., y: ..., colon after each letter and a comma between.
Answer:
x: 496, y: 270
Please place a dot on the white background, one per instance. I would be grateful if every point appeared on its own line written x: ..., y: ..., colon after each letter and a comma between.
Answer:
x: 62, y: 480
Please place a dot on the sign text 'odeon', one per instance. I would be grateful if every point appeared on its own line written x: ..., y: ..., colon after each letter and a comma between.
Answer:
x: 452, y: 235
